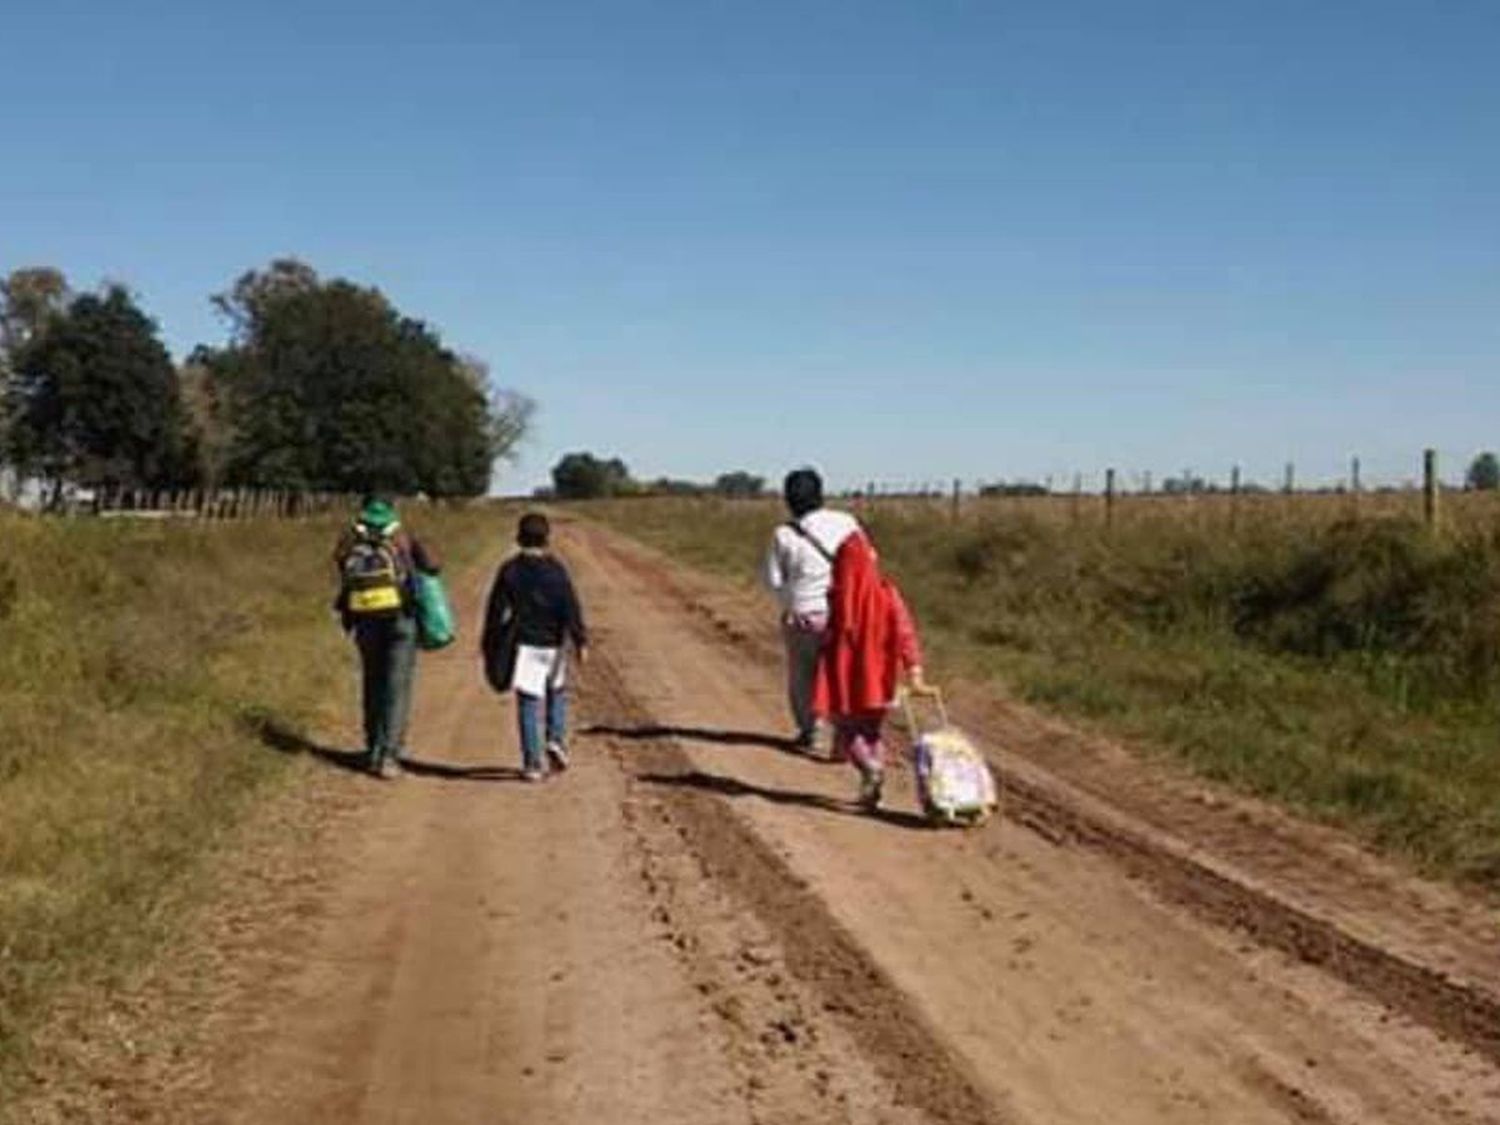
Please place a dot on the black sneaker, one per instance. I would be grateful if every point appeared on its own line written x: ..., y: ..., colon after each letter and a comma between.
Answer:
x: 870, y: 786
x: 557, y: 754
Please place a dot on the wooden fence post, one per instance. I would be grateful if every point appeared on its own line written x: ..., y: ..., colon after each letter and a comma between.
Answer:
x: 957, y: 498
x: 1109, y: 498
x: 1234, y: 497
x: 1430, y: 488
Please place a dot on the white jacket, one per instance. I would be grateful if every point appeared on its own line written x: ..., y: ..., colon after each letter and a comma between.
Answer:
x: 796, y: 570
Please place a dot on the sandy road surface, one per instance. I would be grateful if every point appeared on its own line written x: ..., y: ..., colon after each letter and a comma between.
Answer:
x: 694, y: 925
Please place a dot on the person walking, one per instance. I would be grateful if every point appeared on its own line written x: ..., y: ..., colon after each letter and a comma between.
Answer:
x: 532, y: 614
x: 378, y: 560
x: 870, y: 644
x: 799, y: 568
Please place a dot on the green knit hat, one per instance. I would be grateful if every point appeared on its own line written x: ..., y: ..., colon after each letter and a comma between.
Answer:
x: 377, y: 514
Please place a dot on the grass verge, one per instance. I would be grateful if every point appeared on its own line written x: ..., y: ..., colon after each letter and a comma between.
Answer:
x: 137, y: 663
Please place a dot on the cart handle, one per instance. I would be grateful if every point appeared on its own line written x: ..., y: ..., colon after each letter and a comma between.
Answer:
x: 907, y: 695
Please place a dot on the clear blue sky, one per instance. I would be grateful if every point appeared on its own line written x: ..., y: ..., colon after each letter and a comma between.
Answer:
x: 904, y: 241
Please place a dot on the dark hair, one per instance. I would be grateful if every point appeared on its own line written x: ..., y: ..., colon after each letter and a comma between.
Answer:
x: 803, y: 491
x: 533, y: 530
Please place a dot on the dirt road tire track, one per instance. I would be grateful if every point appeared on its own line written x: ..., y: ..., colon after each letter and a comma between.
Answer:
x: 1430, y: 1013
x: 911, y: 1057
x: 1466, y: 1010
x: 1462, y: 1011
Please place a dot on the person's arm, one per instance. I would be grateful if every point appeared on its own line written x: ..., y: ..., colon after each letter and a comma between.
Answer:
x: 908, y: 644
x: 341, y: 548
x: 340, y: 597
x: 577, y: 631
x: 422, y: 557
x: 773, y: 572
x: 497, y: 611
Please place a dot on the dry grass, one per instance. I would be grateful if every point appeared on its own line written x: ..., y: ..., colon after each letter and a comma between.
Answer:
x: 137, y: 664
x: 1348, y: 667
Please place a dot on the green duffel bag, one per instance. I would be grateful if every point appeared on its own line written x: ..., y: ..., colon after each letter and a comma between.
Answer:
x: 435, y: 626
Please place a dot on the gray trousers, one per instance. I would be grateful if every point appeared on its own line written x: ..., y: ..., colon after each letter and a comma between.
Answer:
x: 388, y: 659
x: 804, y: 641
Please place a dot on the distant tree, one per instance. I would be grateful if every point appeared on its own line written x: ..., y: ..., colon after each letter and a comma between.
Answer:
x: 739, y: 484
x: 325, y: 385
x: 1484, y: 473
x: 671, y: 486
x: 252, y: 299
x: 1188, y: 484
x: 210, y: 426
x: 30, y: 299
x: 1013, y: 488
x: 510, y: 412
x: 95, y: 399
x: 582, y: 476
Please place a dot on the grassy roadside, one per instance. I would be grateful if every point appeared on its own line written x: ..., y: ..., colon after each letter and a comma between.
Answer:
x: 135, y: 662
x: 1350, y: 670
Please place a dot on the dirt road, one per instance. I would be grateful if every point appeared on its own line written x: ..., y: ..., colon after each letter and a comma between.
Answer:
x: 694, y: 925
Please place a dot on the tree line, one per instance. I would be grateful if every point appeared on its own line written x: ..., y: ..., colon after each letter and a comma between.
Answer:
x: 583, y: 476
x: 323, y: 385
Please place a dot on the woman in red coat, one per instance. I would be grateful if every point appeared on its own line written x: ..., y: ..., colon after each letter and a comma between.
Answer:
x: 871, y: 642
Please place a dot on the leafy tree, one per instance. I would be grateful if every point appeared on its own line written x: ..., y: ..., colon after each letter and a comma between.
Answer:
x: 582, y: 476
x: 251, y: 300
x: 29, y: 299
x: 210, y: 428
x: 1188, y: 484
x: 1484, y: 473
x: 324, y: 385
x: 1014, y: 488
x: 672, y: 486
x: 510, y: 412
x: 739, y: 484
x: 95, y: 399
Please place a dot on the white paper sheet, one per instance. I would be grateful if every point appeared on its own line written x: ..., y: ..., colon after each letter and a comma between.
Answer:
x: 537, y: 669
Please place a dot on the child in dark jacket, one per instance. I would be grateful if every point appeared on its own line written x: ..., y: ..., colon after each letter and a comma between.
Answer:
x: 532, y: 614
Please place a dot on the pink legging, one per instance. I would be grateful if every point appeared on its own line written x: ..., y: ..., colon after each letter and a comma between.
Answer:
x: 857, y: 738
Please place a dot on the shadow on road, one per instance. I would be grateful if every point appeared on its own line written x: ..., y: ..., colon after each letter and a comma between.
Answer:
x: 650, y: 732
x: 424, y: 767
x: 733, y: 787
x: 285, y: 739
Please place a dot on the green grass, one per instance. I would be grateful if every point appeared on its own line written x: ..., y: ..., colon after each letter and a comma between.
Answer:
x: 1349, y: 669
x: 135, y: 662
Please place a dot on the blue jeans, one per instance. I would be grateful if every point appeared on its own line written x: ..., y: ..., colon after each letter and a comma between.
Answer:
x: 528, y: 708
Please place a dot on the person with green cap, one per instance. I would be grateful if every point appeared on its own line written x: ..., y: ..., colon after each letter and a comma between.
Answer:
x: 378, y: 560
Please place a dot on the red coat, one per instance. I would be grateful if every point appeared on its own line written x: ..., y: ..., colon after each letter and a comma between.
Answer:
x: 870, y: 640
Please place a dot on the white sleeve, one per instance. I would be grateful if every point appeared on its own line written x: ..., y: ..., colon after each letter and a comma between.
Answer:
x: 774, y: 574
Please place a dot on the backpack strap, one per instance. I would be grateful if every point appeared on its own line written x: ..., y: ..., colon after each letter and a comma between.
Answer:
x: 817, y: 545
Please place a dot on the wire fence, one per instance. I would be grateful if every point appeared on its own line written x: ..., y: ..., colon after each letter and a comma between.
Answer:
x: 208, y: 504
x: 1432, y: 501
